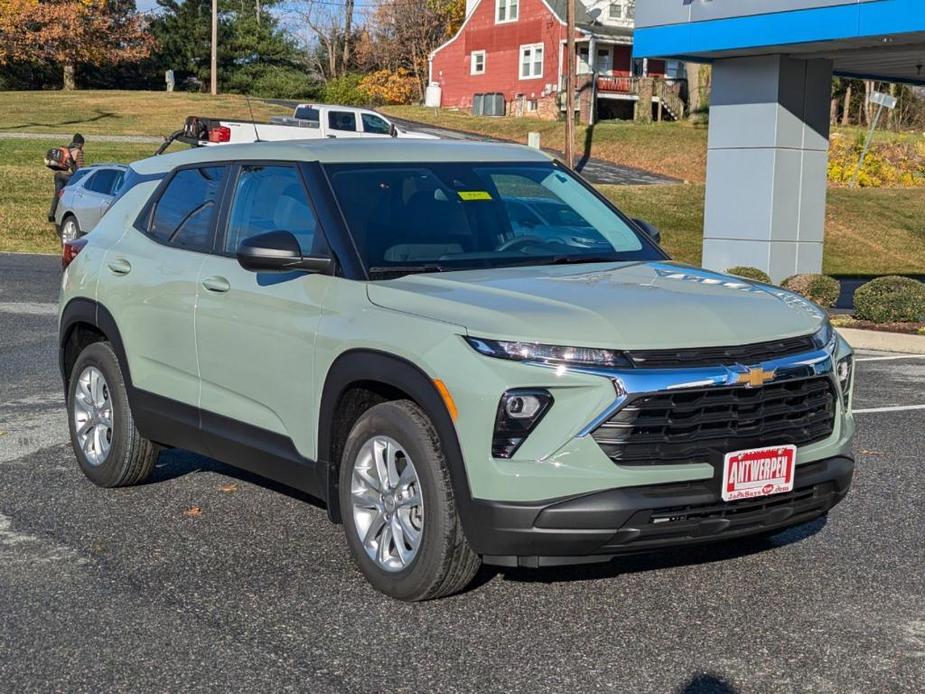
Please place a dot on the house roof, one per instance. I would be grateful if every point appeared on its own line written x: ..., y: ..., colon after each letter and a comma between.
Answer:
x: 587, y: 22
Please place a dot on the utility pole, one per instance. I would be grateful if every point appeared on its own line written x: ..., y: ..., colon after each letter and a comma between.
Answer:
x: 570, y: 84
x: 214, y: 65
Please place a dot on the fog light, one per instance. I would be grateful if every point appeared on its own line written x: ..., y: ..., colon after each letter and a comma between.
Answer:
x: 519, y: 411
x: 522, y: 406
x: 843, y: 371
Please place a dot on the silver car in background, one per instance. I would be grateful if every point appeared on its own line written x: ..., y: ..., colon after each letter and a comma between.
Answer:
x: 86, y: 198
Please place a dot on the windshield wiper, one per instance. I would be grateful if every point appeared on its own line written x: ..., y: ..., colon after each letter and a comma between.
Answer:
x: 404, y: 269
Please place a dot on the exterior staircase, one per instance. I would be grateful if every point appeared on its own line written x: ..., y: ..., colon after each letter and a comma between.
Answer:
x: 669, y: 99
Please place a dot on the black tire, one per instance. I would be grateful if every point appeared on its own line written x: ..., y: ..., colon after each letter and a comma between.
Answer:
x: 77, y: 231
x: 444, y: 563
x: 130, y: 458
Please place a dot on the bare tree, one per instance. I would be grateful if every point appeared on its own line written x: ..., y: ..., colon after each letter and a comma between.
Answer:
x: 332, y: 29
x: 406, y: 31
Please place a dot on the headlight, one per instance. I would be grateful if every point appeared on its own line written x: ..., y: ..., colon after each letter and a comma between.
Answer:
x: 824, y: 338
x: 843, y: 370
x: 552, y: 354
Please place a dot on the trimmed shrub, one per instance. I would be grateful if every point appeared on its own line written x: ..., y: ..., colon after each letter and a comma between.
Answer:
x: 345, y: 91
x: 890, y: 299
x: 822, y: 289
x: 387, y: 87
x: 749, y: 273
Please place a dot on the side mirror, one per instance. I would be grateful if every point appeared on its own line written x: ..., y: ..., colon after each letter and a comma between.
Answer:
x: 652, y: 231
x: 393, y: 131
x: 278, y: 251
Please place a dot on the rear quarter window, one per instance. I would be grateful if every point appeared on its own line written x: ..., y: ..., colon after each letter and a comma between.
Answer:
x: 78, y: 176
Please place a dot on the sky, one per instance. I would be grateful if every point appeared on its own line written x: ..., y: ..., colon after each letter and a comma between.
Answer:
x: 145, y: 5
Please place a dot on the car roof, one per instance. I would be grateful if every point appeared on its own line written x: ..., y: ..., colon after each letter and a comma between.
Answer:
x: 104, y: 165
x: 337, y: 106
x: 347, y: 151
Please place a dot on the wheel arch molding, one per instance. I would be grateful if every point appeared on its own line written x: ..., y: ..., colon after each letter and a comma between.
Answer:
x: 79, y: 313
x: 401, y: 378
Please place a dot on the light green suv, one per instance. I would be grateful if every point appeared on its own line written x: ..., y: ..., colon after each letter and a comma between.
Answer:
x: 463, y: 349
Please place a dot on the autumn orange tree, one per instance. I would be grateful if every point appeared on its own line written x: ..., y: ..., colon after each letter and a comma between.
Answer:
x: 72, y: 32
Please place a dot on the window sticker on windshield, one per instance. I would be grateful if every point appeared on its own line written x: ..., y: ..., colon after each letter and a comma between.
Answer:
x: 469, y: 195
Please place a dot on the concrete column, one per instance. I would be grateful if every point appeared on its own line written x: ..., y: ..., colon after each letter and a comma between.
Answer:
x: 767, y: 160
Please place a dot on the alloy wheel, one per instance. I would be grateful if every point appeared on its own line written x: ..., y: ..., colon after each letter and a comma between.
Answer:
x: 69, y: 230
x: 388, y: 508
x: 93, y: 415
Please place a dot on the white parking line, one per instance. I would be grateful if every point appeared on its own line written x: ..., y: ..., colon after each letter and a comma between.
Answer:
x: 891, y: 357
x: 29, y: 308
x: 895, y: 408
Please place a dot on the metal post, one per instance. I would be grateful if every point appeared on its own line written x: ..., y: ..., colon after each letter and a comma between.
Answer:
x: 214, y: 65
x: 570, y: 84
x: 870, y: 135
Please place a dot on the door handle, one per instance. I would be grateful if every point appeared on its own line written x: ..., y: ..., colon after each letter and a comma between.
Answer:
x: 216, y: 284
x: 120, y: 266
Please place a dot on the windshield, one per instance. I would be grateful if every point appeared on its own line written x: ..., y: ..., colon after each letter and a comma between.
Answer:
x: 439, y: 217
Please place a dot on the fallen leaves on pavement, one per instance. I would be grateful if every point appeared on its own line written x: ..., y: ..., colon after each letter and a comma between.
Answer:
x: 193, y: 512
x: 228, y: 488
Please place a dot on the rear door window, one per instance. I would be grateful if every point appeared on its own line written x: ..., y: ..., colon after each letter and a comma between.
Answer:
x: 184, y: 214
x: 342, y: 120
x: 104, y: 181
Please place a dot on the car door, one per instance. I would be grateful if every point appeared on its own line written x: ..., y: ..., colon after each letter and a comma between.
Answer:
x: 149, y: 283
x: 255, y: 332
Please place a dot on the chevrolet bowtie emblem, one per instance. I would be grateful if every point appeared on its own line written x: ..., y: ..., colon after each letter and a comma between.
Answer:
x: 755, y: 377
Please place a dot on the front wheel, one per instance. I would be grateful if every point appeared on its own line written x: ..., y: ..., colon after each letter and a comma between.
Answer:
x: 398, y: 506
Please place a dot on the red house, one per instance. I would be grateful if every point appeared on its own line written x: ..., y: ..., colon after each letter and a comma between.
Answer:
x: 516, y: 49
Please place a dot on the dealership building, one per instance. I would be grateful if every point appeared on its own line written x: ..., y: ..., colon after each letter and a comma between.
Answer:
x: 773, y: 63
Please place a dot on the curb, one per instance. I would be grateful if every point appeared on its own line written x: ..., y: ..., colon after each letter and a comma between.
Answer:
x: 883, y: 342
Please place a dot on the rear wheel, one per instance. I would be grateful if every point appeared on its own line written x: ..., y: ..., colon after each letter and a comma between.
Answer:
x: 109, y: 449
x: 70, y: 229
x: 398, y: 506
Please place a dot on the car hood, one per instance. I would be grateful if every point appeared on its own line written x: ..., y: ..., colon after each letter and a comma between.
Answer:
x: 647, y: 305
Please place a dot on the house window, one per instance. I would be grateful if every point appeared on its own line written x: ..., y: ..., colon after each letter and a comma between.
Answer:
x: 616, y: 10
x: 531, y: 105
x: 477, y: 63
x: 506, y: 11
x: 531, y: 61
x: 630, y: 10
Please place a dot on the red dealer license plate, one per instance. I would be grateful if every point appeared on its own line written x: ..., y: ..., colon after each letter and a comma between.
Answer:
x: 758, y: 472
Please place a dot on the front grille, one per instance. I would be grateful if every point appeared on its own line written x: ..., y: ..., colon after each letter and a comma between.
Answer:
x: 701, y: 425
x: 720, y: 356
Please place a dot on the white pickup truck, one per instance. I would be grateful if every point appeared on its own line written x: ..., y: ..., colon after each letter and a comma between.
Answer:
x: 308, y: 122
x: 344, y: 121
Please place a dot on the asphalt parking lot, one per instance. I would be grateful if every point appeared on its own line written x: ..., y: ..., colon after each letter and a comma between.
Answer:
x: 133, y: 589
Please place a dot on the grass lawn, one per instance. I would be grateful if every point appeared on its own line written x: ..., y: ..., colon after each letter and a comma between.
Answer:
x: 26, y: 187
x: 119, y: 112
x: 671, y: 149
x: 868, y: 231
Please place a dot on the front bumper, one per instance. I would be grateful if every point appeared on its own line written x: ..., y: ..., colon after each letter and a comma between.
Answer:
x: 602, y: 525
